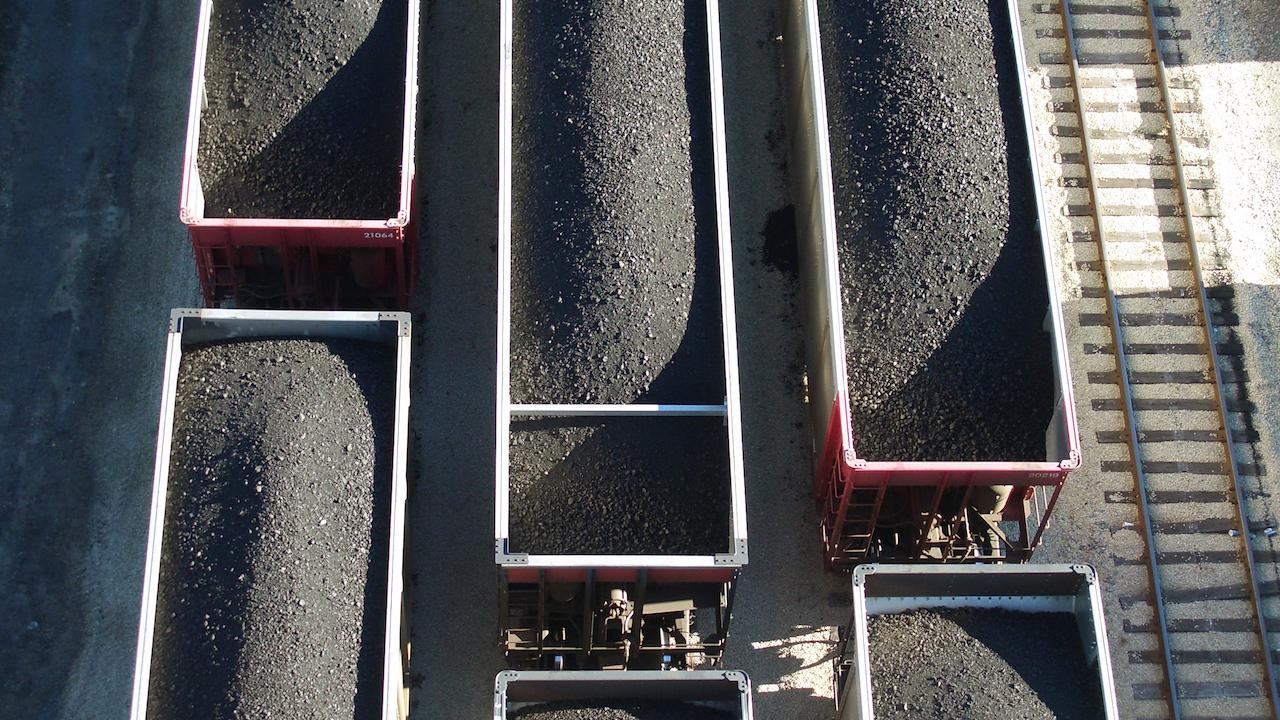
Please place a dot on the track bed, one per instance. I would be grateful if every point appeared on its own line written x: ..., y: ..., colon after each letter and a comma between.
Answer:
x: 304, y: 109
x: 942, y: 276
x: 272, y: 589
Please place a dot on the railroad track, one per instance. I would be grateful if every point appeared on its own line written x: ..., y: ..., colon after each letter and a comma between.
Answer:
x: 1140, y: 213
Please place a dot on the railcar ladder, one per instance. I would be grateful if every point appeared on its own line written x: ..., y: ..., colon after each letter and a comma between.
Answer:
x: 221, y: 276
x: 850, y: 515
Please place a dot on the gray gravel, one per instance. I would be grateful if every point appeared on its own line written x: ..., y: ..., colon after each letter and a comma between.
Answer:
x: 621, y: 710
x: 620, y: 486
x: 615, y: 291
x: 273, y: 577
x: 980, y: 665
x: 305, y: 109
x: 941, y: 269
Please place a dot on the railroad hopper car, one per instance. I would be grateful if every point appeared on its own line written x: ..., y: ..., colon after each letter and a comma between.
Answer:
x: 1043, y: 621
x: 298, y: 172
x: 923, y: 504
x: 261, y: 599
x: 696, y: 693
x: 620, y: 505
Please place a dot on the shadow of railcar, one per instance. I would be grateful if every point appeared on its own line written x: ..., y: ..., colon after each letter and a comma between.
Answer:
x: 1253, y: 393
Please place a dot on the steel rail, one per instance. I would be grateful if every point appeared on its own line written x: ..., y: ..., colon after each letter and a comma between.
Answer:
x: 1215, y: 367
x: 1122, y: 366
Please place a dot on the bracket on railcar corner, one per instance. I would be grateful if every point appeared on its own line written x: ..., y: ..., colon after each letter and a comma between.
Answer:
x: 737, y: 558
x: 1072, y: 461
x: 502, y: 557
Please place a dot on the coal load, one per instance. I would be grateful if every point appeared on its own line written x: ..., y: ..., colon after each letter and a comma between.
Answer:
x: 942, y: 274
x: 621, y: 710
x: 980, y: 665
x: 619, y: 486
x: 272, y: 588
x: 615, y: 281
x: 305, y: 113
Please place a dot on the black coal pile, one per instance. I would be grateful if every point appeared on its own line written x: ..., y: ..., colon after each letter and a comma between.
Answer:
x: 621, y: 710
x: 620, y: 486
x: 980, y: 665
x: 615, y: 282
x: 273, y: 577
x: 305, y: 111
x: 942, y: 273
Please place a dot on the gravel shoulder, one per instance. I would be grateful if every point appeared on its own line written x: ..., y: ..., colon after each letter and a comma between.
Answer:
x: 787, y: 607
x: 1233, y: 56
x: 451, y: 502
x: 92, y: 109
x: 8, y: 33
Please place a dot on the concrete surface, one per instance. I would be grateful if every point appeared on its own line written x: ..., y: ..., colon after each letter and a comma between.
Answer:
x: 92, y: 105
x: 453, y: 583
x: 92, y: 256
